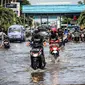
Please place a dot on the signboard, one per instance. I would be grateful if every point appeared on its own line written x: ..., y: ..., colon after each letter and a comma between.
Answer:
x: 11, y: 5
x: 20, y: 0
x: 15, y: 6
x: 73, y: 22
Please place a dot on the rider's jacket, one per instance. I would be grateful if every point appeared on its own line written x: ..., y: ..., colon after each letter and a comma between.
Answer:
x: 37, y: 40
x: 60, y: 33
x: 76, y: 33
x: 53, y: 36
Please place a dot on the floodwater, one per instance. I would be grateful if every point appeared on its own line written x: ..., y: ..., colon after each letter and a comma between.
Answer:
x: 15, y: 66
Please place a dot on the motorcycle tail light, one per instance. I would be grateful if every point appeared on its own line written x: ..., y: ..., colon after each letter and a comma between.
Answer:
x: 51, y: 41
x: 35, y: 54
x: 54, y: 48
x: 57, y: 41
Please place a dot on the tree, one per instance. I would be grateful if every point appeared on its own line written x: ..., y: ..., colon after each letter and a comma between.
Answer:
x: 66, y: 20
x: 81, y: 19
x: 80, y: 2
x: 25, y: 2
x: 8, y: 17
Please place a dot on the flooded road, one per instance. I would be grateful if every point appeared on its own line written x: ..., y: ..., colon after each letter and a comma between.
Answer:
x: 15, y: 66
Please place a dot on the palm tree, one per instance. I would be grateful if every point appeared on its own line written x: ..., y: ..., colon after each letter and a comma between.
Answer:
x: 80, y: 2
x: 81, y: 19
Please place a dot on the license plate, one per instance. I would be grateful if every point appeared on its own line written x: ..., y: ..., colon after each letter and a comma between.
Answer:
x: 14, y: 36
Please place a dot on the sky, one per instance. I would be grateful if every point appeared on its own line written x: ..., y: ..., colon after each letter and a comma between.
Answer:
x: 47, y: 1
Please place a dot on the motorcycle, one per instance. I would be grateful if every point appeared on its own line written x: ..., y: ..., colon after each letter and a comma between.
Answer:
x: 37, y: 59
x: 36, y: 55
x: 54, y: 48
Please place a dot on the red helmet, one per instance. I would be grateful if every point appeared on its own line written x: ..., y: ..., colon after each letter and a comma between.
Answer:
x: 54, y: 30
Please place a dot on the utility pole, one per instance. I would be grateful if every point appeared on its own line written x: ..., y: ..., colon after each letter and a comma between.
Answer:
x: 1, y: 2
x: 5, y: 4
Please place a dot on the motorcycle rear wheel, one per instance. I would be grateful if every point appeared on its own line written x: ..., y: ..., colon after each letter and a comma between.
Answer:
x: 34, y: 64
x: 42, y: 63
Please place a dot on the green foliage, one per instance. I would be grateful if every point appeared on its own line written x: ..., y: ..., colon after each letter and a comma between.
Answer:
x: 8, y: 17
x: 66, y: 20
x: 25, y: 2
x: 80, y: 2
x: 81, y: 19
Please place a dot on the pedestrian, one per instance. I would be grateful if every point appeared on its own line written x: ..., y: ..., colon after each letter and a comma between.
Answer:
x: 2, y: 36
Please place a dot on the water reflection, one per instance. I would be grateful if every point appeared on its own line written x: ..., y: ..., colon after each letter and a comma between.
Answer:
x: 37, y: 76
x: 45, y: 78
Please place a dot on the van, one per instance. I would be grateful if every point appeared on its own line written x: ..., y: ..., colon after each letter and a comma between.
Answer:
x: 16, y: 33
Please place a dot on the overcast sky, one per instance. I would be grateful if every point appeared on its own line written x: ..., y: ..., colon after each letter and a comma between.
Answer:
x: 45, y: 1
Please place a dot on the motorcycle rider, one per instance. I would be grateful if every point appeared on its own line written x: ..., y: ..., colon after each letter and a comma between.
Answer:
x: 84, y: 33
x: 37, y: 42
x: 66, y: 31
x: 65, y: 38
x: 3, y: 36
x: 54, y: 34
x: 76, y: 34
x: 54, y: 37
x: 60, y: 35
x: 81, y: 34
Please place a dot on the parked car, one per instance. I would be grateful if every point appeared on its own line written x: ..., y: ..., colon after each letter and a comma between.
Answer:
x: 16, y: 33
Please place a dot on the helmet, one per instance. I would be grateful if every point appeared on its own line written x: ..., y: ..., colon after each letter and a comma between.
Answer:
x: 54, y: 30
x: 36, y: 31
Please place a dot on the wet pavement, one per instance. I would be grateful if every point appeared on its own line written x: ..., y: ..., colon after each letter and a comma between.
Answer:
x: 15, y: 66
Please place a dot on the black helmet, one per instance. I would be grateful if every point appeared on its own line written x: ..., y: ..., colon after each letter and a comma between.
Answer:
x: 36, y: 31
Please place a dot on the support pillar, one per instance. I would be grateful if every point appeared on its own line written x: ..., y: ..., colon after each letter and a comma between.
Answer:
x: 1, y: 2
x: 41, y: 19
x: 24, y: 19
x: 47, y: 20
x: 5, y: 3
x: 59, y: 21
x: 28, y: 19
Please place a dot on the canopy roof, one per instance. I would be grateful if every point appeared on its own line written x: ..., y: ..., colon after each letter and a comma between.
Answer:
x: 52, y: 9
